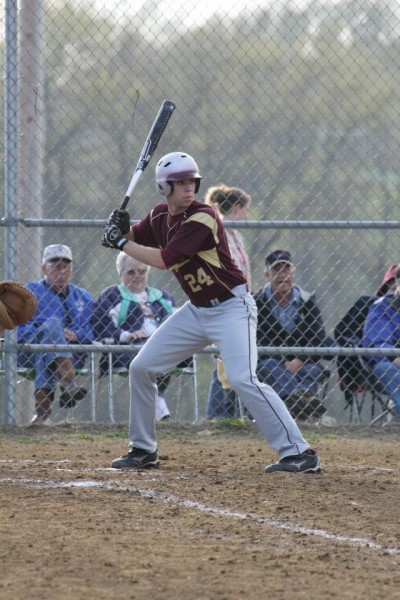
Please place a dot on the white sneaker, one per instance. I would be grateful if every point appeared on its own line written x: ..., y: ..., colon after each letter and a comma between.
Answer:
x: 162, y: 410
x: 40, y: 420
x: 328, y: 421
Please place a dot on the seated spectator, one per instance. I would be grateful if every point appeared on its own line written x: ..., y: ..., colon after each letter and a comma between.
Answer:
x: 349, y: 332
x: 231, y: 204
x: 129, y: 313
x: 382, y: 330
x: 62, y: 317
x: 289, y: 316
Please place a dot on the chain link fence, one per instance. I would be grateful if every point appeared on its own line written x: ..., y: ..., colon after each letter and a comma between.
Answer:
x: 295, y: 103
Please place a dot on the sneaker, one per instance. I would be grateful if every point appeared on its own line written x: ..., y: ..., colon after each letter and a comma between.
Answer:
x: 307, y: 462
x: 162, y: 410
x: 68, y: 400
x: 392, y: 424
x: 40, y: 420
x: 137, y: 458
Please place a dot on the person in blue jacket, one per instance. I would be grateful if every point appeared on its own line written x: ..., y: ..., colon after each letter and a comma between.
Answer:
x: 129, y: 313
x: 63, y: 317
x: 382, y: 330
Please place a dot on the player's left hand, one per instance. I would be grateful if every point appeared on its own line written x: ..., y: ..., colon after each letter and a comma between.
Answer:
x: 113, y: 238
x: 121, y: 219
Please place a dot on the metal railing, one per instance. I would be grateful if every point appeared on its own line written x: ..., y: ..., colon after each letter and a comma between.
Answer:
x: 99, y: 348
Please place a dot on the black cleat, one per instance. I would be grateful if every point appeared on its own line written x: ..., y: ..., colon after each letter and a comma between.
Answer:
x: 137, y: 458
x: 306, y: 462
x: 68, y: 400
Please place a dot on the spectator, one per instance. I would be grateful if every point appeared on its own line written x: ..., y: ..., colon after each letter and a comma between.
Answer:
x: 349, y: 332
x: 62, y: 317
x: 129, y: 313
x: 382, y: 330
x: 231, y: 204
x: 289, y: 316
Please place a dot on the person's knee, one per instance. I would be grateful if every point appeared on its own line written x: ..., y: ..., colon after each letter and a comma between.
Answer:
x: 384, y: 369
x: 52, y: 327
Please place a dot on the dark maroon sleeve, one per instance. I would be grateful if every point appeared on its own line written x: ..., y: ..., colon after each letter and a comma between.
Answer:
x: 143, y: 233
x: 190, y: 239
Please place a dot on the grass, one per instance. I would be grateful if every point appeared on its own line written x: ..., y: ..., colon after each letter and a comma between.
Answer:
x: 229, y: 424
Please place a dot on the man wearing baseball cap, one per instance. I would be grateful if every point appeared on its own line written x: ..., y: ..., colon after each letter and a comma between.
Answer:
x: 289, y: 316
x: 278, y: 257
x: 57, y: 252
x: 62, y: 317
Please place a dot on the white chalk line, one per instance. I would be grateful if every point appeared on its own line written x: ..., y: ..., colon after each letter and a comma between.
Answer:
x: 222, y: 512
x: 33, y: 461
x: 369, y: 468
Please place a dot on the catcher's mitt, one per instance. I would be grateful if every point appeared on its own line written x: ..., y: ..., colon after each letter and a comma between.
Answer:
x: 17, y: 304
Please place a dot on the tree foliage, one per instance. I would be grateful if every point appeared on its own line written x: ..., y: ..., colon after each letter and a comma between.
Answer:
x: 298, y: 107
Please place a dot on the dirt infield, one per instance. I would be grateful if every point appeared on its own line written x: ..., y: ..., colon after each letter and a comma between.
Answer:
x: 208, y: 525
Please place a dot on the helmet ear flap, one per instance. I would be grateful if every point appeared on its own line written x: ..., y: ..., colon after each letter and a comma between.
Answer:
x: 164, y: 188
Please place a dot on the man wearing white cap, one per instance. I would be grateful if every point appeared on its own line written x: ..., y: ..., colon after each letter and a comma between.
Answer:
x: 62, y: 317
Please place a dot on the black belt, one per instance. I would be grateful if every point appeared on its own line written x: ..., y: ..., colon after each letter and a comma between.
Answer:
x: 216, y: 301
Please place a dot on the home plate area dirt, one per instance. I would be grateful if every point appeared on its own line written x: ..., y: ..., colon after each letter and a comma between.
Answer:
x: 209, y: 524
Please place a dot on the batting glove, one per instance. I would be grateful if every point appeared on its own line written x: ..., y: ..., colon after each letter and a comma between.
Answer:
x: 113, y: 238
x: 121, y: 219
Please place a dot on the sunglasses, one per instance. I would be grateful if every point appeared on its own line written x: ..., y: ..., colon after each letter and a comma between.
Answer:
x: 59, y: 265
x: 132, y: 272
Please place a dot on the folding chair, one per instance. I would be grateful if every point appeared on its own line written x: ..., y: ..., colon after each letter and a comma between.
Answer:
x: 324, y: 384
x: 359, y: 397
x: 359, y: 384
x: 177, y: 371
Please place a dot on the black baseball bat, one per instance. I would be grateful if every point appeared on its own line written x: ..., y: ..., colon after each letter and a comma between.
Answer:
x: 151, y: 143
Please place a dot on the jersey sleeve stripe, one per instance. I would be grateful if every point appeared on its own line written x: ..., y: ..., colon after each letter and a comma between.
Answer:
x: 210, y: 257
x: 207, y: 220
x: 178, y: 266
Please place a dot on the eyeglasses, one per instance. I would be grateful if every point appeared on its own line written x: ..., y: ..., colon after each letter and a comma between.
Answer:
x: 133, y: 272
x: 59, y: 266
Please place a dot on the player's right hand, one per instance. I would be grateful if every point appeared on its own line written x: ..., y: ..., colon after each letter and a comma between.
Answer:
x: 121, y: 219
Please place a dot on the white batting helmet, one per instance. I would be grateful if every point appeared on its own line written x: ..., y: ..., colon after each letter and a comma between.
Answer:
x: 175, y: 166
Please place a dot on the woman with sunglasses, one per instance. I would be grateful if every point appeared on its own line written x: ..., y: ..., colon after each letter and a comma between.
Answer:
x: 128, y: 313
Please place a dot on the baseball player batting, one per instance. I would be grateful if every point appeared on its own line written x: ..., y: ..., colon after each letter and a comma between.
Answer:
x: 188, y: 238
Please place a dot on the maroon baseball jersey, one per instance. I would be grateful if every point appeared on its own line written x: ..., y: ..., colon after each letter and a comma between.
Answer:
x: 194, y: 247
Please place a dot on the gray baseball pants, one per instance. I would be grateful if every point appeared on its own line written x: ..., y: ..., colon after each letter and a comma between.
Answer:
x: 231, y: 326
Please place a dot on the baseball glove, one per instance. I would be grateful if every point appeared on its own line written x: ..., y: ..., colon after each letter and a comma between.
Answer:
x: 17, y: 304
